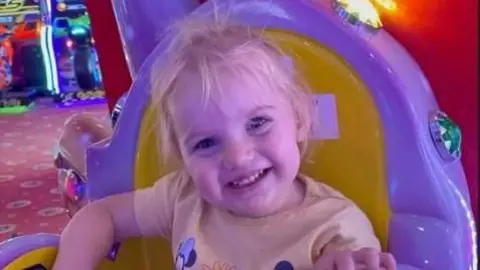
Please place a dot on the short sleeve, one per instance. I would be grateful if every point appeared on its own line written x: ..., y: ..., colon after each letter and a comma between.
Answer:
x: 349, y: 230
x: 154, y: 207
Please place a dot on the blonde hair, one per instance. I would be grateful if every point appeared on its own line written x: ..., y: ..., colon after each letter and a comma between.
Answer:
x: 207, y: 46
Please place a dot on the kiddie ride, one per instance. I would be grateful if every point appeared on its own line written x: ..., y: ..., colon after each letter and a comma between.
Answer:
x: 21, y: 60
x: 385, y: 143
x: 9, y: 101
x: 79, y: 76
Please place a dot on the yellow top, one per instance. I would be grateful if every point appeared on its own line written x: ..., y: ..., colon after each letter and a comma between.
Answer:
x: 203, y: 235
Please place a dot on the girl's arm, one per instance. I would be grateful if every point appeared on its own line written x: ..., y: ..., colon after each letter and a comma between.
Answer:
x: 89, y: 236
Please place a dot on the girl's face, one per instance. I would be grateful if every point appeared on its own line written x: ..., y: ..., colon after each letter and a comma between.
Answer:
x: 241, y: 147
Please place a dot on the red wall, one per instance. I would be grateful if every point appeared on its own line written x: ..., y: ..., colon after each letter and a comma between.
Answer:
x: 443, y: 37
x: 116, y: 77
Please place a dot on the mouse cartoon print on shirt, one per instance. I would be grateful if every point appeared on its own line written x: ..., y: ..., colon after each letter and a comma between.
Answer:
x: 186, y: 254
x: 284, y: 265
x: 186, y: 257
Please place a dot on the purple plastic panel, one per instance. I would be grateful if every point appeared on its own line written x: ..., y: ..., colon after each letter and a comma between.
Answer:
x: 142, y: 23
x: 18, y: 246
x: 428, y: 197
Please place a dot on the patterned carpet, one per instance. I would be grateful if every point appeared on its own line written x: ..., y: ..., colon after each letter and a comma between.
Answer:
x: 29, y: 198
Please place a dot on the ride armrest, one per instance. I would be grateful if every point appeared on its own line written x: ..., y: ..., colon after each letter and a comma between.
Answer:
x: 81, y: 131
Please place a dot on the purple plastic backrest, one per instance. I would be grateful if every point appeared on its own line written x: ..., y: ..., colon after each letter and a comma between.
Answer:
x: 431, y: 225
x: 142, y: 23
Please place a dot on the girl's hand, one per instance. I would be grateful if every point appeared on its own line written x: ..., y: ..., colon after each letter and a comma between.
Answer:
x: 366, y: 258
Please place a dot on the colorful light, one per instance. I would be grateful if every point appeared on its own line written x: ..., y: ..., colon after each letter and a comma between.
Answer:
x: 15, y: 109
x: 61, y: 7
x: 78, y: 31
x: 446, y: 136
x: 358, y: 11
x: 74, y: 186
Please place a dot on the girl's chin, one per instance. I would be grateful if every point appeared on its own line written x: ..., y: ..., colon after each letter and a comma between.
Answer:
x: 254, y: 212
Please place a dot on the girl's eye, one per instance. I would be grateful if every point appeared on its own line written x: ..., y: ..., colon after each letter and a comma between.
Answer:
x: 204, y: 144
x: 257, y: 123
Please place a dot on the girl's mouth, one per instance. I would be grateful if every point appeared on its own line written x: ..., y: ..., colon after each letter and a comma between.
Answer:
x: 250, y: 180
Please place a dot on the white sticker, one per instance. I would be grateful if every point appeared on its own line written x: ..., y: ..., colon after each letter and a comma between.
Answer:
x: 326, y: 124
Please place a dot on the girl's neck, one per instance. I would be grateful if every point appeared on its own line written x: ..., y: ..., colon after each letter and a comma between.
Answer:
x: 296, y: 196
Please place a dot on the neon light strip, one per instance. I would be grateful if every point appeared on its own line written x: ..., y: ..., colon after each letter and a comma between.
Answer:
x: 51, y: 53
x: 49, y: 60
x: 53, y: 61
x: 45, y: 57
x: 14, y: 110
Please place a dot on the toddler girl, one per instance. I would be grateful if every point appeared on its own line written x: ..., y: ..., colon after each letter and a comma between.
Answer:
x: 237, y: 118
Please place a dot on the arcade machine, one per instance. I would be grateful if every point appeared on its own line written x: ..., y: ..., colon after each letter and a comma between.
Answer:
x: 6, y: 58
x: 78, y: 75
x: 24, y: 66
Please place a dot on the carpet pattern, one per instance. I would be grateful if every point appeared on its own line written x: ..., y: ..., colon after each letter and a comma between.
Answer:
x: 29, y: 197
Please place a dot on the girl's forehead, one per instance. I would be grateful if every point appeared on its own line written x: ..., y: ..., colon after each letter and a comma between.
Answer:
x: 230, y: 98
x: 225, y: 86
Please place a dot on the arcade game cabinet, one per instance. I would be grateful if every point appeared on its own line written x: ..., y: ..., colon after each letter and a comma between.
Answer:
x: 23, y: 64
x: 78, y: 73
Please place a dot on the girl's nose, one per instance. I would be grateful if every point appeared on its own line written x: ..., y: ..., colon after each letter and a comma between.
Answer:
x: 238, y: 155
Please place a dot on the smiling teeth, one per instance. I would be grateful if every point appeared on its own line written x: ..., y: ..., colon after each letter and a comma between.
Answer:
x: 247, y: 181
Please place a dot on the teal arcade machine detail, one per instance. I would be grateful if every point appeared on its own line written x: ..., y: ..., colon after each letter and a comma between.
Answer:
x: 24, y: 64
x: 76, y: 76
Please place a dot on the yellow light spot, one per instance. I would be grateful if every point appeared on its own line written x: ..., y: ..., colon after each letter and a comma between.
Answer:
x: 61, y: 7
x: 389, y: 5
x: 364, y: 9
